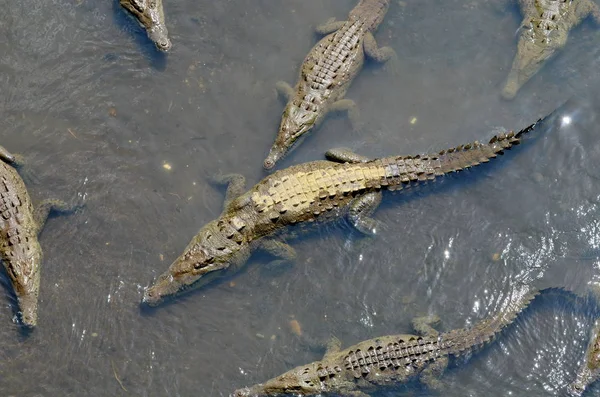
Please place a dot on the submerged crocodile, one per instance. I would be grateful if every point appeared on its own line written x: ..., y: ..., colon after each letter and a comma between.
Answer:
x: 389, y: 360
x: 589, y: 372
x: 544, y: 30
x: 151, y: 16
x: 20, y: 225
x: 348, y: 185
x: 326, y: 74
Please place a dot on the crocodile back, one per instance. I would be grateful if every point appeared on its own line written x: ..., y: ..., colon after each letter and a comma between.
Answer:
x: 322, y: 189
x: 19, y: 246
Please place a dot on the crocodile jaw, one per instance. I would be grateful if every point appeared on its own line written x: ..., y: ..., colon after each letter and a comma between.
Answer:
x: 171, y: 283
x: 292, y: 131
x: 149, y: 13
x: 25, y: 278
x: 585, y: 377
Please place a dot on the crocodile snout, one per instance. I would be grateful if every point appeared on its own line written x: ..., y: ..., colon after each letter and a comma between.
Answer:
x: 164, y: 45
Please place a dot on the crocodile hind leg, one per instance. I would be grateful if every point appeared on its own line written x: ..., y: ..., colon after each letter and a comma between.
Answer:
x: 349, y: 106
x: 330, y: 26
x: 430, y: 376
x: 424, y: 325
x: 40, y: 214
x: 285, y: 90
x: 236, y: 186
x: 345, y: 155
x: 283, y: 251
x: 360, y: 210
x: 432, y: 372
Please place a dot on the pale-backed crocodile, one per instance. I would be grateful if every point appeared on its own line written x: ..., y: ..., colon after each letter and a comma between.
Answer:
x: 544, y: 30
x: 150, y: 14
x: 326, y: 74
x: 20, y: 225
x: 589, y: 371
x: 391, y: 360
x: 317, y: 191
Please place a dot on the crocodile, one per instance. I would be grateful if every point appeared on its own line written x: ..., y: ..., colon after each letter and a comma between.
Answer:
x: 150, y: 14
x: 326, y: 74
x: 589, y: 371
x: 20, y: 225
x: 348, y: 184
x: 544, y: 30
x: 391, y: 360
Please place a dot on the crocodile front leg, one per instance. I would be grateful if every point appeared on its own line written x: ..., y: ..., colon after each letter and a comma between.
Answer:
x: 378, y: 54
x: 333, y: 346
x: 349, y: 106
x: 40, y: 215
x: 357, y: 394
x: 345, y: 155
x: 278, y: 249
x: 285, y: 90
x: 236, y: 186
x: 359, y: 212
x: 6, y: 156
x: 330, y: 26
x: 424, y: 325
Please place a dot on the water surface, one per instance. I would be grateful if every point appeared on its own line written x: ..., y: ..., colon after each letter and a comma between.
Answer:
x: 99, y: 113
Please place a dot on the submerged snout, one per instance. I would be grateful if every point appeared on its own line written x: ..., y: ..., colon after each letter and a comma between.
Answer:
x: 271, y: 159
x: 160, y: 37
x: 164, y: 287
x: 28, y: 306
x: 248, y: 392
x: 163, y: 45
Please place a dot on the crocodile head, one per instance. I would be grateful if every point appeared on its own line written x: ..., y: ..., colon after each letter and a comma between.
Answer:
x: 536, y: 45
x: 589, y: 371
x: 295, y: 123
x: 371, y: 12
x: 209, y: 255
x: 23, y: 269
x: 150, y: 15
x: 292, y: 383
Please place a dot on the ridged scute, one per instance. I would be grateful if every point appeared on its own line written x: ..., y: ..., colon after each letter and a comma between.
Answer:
x: 393, y: 355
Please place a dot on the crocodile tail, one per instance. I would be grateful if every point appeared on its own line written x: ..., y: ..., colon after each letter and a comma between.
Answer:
x: 403, y: 171
x: 466, y: 156
x: 463, y: 341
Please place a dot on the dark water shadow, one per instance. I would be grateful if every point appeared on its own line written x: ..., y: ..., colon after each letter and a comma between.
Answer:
x: 129, y: 24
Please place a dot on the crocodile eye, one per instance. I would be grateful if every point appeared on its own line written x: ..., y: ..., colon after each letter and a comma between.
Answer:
x: 138, y: 5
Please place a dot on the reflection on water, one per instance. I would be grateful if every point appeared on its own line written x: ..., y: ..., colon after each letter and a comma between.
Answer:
x: 84, y: 97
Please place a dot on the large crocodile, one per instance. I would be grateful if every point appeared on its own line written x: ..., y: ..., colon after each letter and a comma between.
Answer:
x: 151, y: 16
x: 317, y: 191
x: 20, y: 225
x: 589, y: 371
x: 326, y: 74
x: 391, y: 360
x: 544, y: 30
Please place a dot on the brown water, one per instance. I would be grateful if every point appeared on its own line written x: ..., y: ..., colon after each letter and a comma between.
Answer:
x: 99, y: 113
